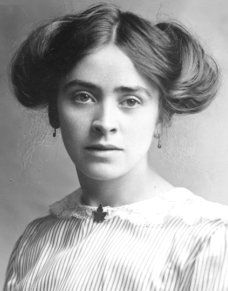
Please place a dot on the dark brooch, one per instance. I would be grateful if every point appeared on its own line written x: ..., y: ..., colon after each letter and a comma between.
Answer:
x: 99, y: 214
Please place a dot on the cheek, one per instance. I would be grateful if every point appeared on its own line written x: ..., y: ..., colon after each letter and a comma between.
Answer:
x: 142, y: 129
x: 141, y: 141
x: 73, y: 127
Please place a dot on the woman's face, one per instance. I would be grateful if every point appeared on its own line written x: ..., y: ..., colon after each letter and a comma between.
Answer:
x: 108, y: 113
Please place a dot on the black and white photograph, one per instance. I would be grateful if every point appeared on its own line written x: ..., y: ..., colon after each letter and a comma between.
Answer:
x: 113, y: 145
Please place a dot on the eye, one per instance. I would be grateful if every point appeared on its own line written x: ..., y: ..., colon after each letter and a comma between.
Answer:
x: 83, y: 97
x: 131, y: 102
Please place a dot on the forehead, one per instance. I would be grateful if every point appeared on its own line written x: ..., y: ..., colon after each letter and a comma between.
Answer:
x: 108, y: 67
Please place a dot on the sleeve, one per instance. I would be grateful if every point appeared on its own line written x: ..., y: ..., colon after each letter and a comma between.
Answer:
x: 211, y: 265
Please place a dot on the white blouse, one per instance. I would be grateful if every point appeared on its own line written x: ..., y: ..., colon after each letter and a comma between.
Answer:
x: 174, y: 241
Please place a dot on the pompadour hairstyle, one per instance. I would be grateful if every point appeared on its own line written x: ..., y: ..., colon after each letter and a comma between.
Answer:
x: 165, y: 53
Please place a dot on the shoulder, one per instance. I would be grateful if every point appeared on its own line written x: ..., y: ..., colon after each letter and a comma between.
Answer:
x: 211, y: 260
x: 38, y: 234
x: 202, y: 224
x: 194, y: 220
x: 23, y: 244
x: 33, y: 231
x: 195, y: 209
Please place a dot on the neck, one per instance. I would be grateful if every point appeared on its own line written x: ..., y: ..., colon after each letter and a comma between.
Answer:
x: 139, y: 184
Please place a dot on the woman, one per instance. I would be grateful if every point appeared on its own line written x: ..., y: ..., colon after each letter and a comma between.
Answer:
x: 111, y: 81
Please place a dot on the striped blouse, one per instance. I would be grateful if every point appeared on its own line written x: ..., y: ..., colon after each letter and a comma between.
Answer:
x: 174, y: 241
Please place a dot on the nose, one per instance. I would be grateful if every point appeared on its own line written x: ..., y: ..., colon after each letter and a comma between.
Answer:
x: 105, y: 121
x: 101, y: 128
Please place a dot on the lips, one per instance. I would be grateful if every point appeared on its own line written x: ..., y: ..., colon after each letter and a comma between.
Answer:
x: 101, y: 147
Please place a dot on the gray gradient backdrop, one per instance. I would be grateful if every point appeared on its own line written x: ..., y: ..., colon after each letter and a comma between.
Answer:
x: 34, y: 168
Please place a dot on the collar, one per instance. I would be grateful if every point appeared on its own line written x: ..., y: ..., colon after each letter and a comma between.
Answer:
x: 177, y: 202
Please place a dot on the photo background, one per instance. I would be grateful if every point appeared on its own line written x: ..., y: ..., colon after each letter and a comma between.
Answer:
x: 34, y: 167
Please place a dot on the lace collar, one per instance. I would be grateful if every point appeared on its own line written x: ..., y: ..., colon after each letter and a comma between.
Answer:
x: 178, y: 202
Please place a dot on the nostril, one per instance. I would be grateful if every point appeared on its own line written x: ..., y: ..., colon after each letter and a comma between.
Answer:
x: 97, y: 128
x: 103, y: 128
x: 113, y: 130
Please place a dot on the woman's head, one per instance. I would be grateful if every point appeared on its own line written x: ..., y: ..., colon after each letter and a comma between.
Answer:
x: 165, y: 54
x: 107, y: 113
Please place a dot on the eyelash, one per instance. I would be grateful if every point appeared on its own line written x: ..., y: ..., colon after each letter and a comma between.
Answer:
x: 76, y: 95
x: 136, y: 100
x: 82, y: 93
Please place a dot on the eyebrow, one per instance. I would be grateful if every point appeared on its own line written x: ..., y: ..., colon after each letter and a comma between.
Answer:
x: 91, y: 86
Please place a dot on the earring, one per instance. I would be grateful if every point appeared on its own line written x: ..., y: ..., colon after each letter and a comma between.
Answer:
x: 158, y: 136
x: 54, y: 133
x: 159, y: 142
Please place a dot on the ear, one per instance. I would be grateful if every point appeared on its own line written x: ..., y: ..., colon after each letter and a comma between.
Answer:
x: 53, y: 115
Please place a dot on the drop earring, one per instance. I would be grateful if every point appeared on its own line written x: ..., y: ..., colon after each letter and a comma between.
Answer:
x: 158, y: 136
x: 54, y: 133
x: 159, y: 142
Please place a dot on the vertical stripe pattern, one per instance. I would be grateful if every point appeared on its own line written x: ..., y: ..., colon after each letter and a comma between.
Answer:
x: 59, y: 253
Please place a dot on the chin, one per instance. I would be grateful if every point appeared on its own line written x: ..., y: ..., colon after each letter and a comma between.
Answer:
x: 103, y: 172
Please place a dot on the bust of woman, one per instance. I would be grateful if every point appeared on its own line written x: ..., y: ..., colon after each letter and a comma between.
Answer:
x: 111, y: 81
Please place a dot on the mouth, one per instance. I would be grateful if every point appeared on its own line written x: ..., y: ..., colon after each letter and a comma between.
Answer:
x: 100, y: 147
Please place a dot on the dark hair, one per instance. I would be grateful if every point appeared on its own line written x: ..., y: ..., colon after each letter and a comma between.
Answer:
x: 164, y: 53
